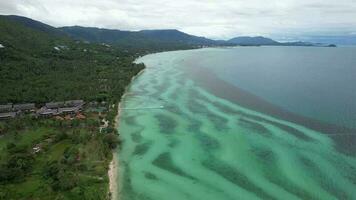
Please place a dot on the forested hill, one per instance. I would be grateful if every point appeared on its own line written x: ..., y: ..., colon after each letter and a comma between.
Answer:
x: 38, y: 65
x: 148, y: 39
x: 245, y: 40
x: 30, y: 23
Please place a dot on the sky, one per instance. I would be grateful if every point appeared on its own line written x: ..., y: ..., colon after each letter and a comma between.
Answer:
x: 217, y: 19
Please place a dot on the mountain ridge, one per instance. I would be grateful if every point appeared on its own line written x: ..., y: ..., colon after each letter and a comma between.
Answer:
x: 256, y: 40
x: 114, y: 36
x: 163, y: 39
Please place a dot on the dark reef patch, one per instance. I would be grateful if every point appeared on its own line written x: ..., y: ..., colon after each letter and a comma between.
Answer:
x: 166, y: 123
x: 220, y: 123
x: 141, y: 149
x: 196, y: 107
x: 128, y: 192
x: 264, y: 155
x: 150, y: 176
x: 256, y: 127
x: 235, y: 177
x: 130, y: 120
x: 173, y: 143
x: 275, y: 175
x: 194, y: 125
x: 136, y: 137
x: 208, y: 143
x: 326, y: 183
x: 164, y: 161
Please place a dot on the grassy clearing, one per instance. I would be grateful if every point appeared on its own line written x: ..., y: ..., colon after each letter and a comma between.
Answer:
x: 72, y: 162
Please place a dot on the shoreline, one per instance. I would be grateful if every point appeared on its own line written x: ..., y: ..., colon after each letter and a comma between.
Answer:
x: 114, y: 193
x: 113, y: 175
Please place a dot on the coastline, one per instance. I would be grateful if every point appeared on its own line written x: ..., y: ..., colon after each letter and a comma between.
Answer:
x: 113, y: 174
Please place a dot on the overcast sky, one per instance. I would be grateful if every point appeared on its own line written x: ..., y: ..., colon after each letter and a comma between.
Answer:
x: 211, y: 18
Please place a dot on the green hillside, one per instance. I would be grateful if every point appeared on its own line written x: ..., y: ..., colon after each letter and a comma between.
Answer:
x: 156, y: 40
x: 56, y: 157
x: 37, y: 66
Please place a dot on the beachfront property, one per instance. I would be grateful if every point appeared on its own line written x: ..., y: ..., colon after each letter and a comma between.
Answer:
x: 8, y: 111
x: 54, y: 105
x: 8, y: 115
x: 27, y: 107
x: 74, y: 103
x: 72, y: 107
x: 5, y: 108
x: 61, y: 108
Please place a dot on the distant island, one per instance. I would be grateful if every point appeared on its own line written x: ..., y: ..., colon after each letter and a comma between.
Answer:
x: 263, y: 41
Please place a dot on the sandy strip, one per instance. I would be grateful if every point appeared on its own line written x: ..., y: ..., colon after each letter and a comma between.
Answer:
x: 114, y: 164
x: 113, y: 175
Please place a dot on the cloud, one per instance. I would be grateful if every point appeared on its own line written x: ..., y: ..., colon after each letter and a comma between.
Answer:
x: 211, y: 18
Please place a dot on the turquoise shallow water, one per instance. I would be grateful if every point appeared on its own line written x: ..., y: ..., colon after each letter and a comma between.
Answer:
x: 183, y: 141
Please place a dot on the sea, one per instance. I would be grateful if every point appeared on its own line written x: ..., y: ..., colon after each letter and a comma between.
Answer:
x: 240, y: 123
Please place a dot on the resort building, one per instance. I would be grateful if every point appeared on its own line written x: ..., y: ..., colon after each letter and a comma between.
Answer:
x: 54, y: 105
x: 9, y: 115
x: 71, y: 107
x: 5, y: 108
x: 74, y: 103
x: 68, y: 110
x: 44, y: 112
x: 61, y: 108
x: 28, y: 107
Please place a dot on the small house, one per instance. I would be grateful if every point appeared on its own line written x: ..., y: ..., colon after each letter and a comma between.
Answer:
x: 74, y: 103
x: 68, y: 110
x: 54, y: 105
x: 28, y: 107
x: 9, y: 115
x: 47, y: 112
x: 6, y: 108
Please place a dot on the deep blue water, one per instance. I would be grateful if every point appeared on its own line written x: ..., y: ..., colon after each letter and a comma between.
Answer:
x: 318, y: 83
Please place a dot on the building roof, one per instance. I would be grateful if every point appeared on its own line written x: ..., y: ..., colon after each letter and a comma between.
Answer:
x: 45, y: 111
x: 8, y: 115
x: 27, y: 106
x: 68, y: 109
x: 55, y: 104
x: 73, y: 103
x: 5, y: 108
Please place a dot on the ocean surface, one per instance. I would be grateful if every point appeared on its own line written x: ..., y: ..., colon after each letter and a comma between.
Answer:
x: 241, y: 123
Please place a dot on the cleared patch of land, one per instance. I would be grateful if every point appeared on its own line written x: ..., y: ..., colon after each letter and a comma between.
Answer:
x: 56, y: 159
